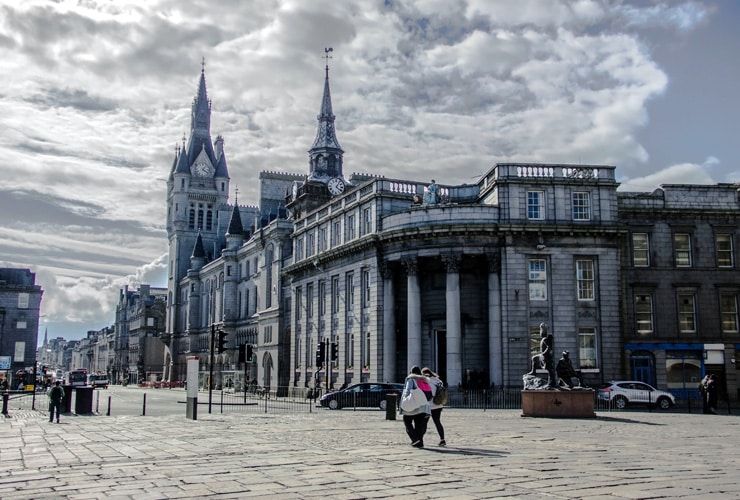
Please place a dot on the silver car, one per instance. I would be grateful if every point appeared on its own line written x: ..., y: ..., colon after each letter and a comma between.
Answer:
x: 621, y: 393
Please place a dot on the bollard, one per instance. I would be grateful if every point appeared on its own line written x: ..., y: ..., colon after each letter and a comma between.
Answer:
x: 143, y: 410
x: 391, y: 405
x: 6, y: 396
x: 108, y: 414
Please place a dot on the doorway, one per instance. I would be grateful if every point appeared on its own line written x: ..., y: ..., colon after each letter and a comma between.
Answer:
x: 441, y: 352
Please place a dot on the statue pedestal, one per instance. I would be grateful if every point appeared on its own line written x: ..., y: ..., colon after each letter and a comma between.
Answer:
x: 558, y: 404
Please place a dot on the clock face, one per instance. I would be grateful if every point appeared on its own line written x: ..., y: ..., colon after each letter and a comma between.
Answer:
x: 336, y: 186
x: 202, y: 169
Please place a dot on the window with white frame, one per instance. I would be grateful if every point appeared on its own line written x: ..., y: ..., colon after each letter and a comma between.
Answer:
x: 585, y: 279
x: 365, y: 288
x: 537, y: 279
x: 350, y: 298
x: 298, y: 303
x: 723, y: 244
x: 640, y: 250
x: 367, y: 221
x: 350, y: 230
x: 728, y: 312
x: 322, y: 298
x: 535, y: 205
x: 587, y: 353
x: 366, y: 351
x: 309, y: 300
x: 682, y: 249
x: 644, y: 313
x: 298, y: 251
x: 322, y: 239
x: 581, y: 206
x: 310, y: 245
x: 686, y: 313
x: 335, y: 294
x: 336, y: 232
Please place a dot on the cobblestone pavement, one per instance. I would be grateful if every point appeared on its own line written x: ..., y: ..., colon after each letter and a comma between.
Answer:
x: 358, y: 454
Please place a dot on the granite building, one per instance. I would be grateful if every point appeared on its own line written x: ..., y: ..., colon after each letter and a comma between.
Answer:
x: 334, y: 279
x: 20, y: 303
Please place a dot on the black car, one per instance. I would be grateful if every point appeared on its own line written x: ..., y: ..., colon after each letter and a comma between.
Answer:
x: 364, y: 395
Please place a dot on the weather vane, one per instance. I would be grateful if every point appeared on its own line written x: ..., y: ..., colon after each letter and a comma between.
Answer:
x: 327, y: 57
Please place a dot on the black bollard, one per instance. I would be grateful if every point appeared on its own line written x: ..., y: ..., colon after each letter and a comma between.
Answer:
x: 108, y: 414
x: 143, y: 410
x: 6, y: 396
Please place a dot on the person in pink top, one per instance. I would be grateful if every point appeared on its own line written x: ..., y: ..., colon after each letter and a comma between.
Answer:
x: 416, y: 420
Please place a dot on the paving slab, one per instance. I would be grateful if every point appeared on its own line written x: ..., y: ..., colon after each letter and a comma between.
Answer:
x: 355, y: 455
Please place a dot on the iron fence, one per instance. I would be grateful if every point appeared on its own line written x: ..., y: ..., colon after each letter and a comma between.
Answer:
x: 301, y: 399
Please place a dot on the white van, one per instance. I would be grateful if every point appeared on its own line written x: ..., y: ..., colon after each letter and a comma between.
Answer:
x: 98, y: 380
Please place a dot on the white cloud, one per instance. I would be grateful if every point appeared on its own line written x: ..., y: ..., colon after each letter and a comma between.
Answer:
x: 97, y: 94
x: 686, y: 173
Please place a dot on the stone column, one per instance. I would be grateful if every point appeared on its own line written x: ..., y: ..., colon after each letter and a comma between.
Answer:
x: 495, y: 341
x: 389, y: 325
x: 454, y: 329
x: 414, y: 314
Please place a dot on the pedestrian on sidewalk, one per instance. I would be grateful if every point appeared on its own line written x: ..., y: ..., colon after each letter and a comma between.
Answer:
x: 712, y: 393
x: 56, y: 396
x: 436, y: 409
x: 415, y: 420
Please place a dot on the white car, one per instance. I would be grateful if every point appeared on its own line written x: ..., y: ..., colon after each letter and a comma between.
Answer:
x: 626, y: 392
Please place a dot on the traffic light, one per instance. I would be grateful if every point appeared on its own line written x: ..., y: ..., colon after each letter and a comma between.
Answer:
x: 334, y: 351
x: 250, y: 353
x: 242, y: 353
x: 320, y: 354
x: 221, y: 341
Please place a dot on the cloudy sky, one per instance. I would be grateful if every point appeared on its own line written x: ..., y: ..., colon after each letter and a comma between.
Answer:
x: 96, y: 95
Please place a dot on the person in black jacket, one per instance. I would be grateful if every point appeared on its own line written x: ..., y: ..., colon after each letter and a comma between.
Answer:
x: 712, y: 393
x: 56, y: 396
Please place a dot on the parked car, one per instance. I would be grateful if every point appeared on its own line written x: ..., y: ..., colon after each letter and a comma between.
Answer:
x: 363, y: 395
x: 627, y: 392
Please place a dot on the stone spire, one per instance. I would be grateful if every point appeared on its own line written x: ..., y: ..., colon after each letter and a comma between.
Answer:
x: 326, y: 153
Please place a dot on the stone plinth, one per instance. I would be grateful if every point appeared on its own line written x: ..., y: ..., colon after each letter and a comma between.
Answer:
x: 558, y: 404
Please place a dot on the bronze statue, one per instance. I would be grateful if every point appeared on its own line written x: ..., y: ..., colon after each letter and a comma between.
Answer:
x: 545, y: 359
x: 566, y: 372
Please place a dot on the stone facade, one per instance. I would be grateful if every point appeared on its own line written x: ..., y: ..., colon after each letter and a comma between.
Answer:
x: 680, y: 286
x: 20, y: 302
x: 395, y: 272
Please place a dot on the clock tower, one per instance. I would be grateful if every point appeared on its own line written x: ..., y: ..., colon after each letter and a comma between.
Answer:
x: 325, y: 178
x: 197, y: 197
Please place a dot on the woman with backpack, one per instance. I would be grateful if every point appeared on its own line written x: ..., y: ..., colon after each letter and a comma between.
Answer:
x: 437, y: 403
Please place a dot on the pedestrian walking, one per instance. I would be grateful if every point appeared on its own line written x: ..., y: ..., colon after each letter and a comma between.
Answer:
x: 56, y: 396
x: 712, y: 393
x: 703, y: 393
x: 436, y: 409
x: 415, y: 406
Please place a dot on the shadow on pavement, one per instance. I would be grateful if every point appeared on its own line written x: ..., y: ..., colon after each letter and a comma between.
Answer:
x: 467, y: 451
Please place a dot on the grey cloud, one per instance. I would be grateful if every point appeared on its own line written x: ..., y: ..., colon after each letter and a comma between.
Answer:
x: 77, y: 98
x: 34, y: 207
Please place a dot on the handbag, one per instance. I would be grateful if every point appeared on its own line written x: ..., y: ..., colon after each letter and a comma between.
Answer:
x: 414, y: 399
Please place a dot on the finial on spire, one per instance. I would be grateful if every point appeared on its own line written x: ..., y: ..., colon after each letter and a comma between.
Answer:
x: 236, y: 195
x: 327, y: 57
x: 203, y: 65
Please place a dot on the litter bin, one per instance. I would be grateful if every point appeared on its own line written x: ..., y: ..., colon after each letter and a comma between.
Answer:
x: 391, y: 406
x: 83, y: 400
x: 67, y: 401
